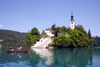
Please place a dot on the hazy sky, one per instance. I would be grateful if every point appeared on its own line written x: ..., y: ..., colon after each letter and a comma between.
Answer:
x: 23, y: 15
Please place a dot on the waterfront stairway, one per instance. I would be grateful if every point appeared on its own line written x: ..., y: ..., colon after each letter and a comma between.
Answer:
x: 43, y: 43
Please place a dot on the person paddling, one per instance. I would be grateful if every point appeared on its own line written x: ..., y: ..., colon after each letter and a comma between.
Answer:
x: 10, y: 48
x: 19, y: 49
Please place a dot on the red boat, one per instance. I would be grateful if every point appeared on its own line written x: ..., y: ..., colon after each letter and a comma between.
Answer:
x: 10, y: 51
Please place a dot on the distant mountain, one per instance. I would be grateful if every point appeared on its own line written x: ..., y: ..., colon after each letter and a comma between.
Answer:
x: 8, y: 37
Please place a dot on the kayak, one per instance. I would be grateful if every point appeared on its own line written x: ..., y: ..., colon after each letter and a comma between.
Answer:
x: 10, y: 51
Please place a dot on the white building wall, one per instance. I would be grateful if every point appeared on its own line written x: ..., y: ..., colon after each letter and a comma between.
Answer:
x: 49, y: 33
x: 72, y: 25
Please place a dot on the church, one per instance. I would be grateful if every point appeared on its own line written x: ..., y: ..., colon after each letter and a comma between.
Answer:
x: 49, y: 31
x: 72, y: 23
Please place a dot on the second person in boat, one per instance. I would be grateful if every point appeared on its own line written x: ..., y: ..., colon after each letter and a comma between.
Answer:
x: 20, y: 48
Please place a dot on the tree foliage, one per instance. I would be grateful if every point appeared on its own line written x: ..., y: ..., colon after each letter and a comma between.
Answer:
x: 89, y: 33
x: 34, y: 31
x: 64, y: 29
x: 80, y: 28
x: 97, y: 39
x: 43, y: 32
x: 11, y: 38
x: 31, y: 38
x: 56, y: 30
x: 59, y: 30
x: 75, y: 38
x: 53, y: 27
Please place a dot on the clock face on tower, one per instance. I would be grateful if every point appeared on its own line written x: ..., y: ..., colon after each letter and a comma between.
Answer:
x: 71, y: 22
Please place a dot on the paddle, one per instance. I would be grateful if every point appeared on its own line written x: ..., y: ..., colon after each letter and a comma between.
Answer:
x: 15, y: 50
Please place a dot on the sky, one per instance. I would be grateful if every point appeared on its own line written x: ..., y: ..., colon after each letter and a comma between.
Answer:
x: 23, y: 15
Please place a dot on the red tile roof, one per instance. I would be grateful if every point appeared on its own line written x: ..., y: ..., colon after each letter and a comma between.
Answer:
x: 49, y: 29
x: 42, y: 35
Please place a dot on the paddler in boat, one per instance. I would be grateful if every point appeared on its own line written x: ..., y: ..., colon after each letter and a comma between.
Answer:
x: 19, y: 49
x: 10, y: 48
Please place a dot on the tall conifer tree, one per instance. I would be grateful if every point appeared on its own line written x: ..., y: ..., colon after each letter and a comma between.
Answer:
x: 89, y: 33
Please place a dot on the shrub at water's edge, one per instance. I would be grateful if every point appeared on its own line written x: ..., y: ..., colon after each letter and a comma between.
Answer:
x: 75, y: 38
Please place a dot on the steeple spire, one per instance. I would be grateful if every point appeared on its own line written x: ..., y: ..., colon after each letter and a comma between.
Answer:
x: 72, y: 17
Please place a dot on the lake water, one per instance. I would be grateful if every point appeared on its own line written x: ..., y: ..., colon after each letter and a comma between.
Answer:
x: 66, y: 57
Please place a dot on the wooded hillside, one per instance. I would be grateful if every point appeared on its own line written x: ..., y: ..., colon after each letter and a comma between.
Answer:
x: 11, y: 38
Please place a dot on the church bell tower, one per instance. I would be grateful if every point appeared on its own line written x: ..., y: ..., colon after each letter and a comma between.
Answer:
x: 72, y: 23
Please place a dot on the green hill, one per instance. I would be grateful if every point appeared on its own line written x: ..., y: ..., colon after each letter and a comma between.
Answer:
x: 8, y: 37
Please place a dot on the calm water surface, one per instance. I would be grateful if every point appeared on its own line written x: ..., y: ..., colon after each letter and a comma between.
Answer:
x: 66, y: 57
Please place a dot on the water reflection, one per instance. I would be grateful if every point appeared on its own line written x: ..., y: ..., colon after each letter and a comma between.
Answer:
x: 9, y: 58
x: 18, y: 54
x: 0, y: 50
x: 77, y: 57
x: 66, y: 57
x: 0, y: 46
x: 73, y: 57
x: 45, y: 55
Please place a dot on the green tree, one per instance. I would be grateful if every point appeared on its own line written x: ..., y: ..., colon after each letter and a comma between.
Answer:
x: 56, y: 30
x: 79, y: 38
x: 89, y: 33
x: 35, y: 31
x: 97, y: 39
x: 28, y: 40
x: 80, y: 28
x: 53, y: 27
x: 57, y: 41
x: 64, y: 29
x: 75, y: 38
x: 92, y: 42
x: 31, y: 38
x: 43, y: 32
x: 61, y: 40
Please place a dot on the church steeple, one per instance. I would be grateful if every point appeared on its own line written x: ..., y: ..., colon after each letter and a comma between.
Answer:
x: 72, y: 17
x: 72, y: 23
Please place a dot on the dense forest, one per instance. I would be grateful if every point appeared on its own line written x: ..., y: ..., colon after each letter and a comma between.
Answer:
x: 11, y: 38
x: 66, y: 37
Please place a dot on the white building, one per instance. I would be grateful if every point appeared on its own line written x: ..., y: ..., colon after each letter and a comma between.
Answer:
x: 49, y: 31
x: 72, y: 23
